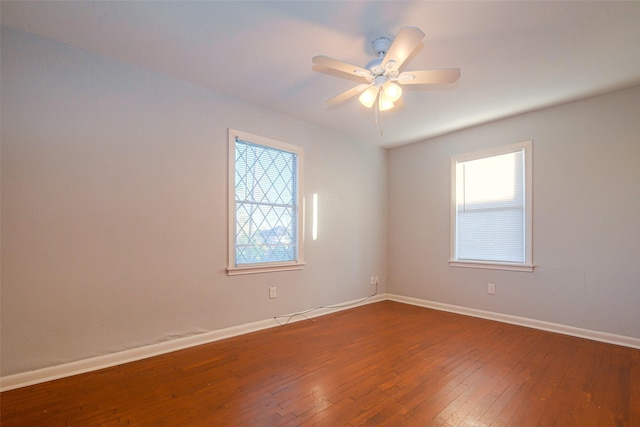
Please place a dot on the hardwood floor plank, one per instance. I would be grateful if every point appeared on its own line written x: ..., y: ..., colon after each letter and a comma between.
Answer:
x: 383, y: 364
x: 634, y: 387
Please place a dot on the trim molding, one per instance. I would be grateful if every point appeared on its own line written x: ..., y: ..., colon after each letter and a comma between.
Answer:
x: 37, y: 376
x: 523, y: 321
x: 492, y: 265
x: 24, y: 379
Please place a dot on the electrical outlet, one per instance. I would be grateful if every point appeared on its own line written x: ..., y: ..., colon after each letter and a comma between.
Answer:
x: 491, y: 289
x: 376, y: 280
x: 373, y: 280
x: 272, y: 292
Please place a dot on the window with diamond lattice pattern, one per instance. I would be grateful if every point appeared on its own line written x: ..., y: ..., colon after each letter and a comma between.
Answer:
x: 265, y: 204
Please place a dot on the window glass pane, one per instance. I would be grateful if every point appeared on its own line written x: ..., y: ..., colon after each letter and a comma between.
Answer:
x: 266, y: 204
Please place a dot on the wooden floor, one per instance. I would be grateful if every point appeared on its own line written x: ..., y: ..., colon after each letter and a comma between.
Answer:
x: 384, y: 364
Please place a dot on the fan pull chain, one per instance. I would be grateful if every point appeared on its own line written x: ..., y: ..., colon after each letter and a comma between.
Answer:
x: 378, y: 114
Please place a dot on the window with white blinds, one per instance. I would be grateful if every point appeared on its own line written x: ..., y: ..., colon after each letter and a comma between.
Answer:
x: 264, y: 204
x: 491, y: 209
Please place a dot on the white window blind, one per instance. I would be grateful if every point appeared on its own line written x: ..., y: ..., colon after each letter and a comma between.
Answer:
x: 491, y: 218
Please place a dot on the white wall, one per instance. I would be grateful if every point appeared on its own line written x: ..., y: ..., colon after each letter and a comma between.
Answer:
x: 113, y: 227
x: 586, y: 219
x: 114, y: 224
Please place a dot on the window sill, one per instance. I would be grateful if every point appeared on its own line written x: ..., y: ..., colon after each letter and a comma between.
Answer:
x: 263, y: 268
x: 492, y: 265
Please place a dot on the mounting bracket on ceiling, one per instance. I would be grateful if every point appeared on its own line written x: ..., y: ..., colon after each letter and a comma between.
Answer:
x: 381, y: 46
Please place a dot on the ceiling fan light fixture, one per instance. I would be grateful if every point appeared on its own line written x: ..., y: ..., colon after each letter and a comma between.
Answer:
x: 392, y: 91
x: 368, y: 97
x: 384, y: 103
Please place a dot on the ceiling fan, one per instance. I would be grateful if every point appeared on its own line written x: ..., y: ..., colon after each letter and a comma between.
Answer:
x: 382, y: 73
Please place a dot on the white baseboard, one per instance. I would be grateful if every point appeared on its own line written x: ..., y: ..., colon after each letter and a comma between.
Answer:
x: 523, y: 321
x: 37, y: 376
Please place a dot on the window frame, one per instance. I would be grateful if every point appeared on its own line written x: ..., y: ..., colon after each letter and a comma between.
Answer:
x: 251, y: 268
x: 527, y: 265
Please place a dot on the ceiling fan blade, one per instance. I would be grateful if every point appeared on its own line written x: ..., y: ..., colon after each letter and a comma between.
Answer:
x: 405, y: 42
x: 335, y: 64
x: 348, y: 94
x: 447, y: 75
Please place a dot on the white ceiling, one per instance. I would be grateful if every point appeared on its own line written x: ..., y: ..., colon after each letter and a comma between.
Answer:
x: 514, y: 56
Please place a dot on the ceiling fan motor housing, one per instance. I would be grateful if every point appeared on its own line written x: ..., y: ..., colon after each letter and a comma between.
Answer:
x: 375, y: 66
